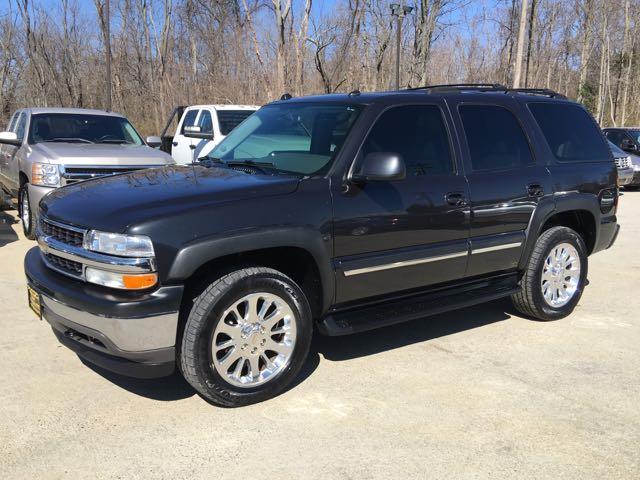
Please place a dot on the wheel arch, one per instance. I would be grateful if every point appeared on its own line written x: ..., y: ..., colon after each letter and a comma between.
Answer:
x: 578, y: 211
x: 298, y: 253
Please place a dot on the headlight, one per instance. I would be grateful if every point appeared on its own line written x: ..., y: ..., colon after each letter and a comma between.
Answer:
x: 119, y: 244
x: 45, y: 174
x: 122, y: 281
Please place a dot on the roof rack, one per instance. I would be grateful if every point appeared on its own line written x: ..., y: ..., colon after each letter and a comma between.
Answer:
x: 461, y: 86
x: 545, y: 92
x: 487, y: 87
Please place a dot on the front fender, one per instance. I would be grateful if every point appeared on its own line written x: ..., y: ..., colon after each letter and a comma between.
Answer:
x: 192, y: 256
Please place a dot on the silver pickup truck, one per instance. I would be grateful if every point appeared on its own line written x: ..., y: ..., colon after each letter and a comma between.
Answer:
x: 47, y: 148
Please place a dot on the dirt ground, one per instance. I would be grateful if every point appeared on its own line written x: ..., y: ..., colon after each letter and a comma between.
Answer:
x: 476, y: 393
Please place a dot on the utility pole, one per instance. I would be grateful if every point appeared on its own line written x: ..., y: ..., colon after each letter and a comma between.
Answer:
x: 108, y: 51
x: 399, y: 11
x: 517, y: 70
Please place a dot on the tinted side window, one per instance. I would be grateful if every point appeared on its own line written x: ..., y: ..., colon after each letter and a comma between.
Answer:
x: 416, y: 132
x: 495, y: 138
x: 230, y: 119
x: 570, y: 131
x: 205, y: 123
x: 189, y: 119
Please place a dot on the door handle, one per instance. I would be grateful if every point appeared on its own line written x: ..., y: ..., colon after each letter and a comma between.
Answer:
x: 456, y: 199
x: 192, y: 147
x: 175, y: 144
x: 535, y: 190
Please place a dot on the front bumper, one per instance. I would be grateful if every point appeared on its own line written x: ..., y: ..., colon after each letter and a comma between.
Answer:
x: 130, y: 334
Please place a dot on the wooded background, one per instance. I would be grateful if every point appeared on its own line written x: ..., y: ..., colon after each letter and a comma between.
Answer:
x: 170, y: 52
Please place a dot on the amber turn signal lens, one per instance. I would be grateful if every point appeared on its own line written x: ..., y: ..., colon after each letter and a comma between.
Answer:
x: 138, y: 282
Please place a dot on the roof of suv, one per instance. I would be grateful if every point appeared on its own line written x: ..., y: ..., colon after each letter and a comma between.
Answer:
x: 74, y: 111
x: 473, y: 91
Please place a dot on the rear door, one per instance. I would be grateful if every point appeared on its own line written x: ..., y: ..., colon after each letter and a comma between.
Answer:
x: 183, y: 147
x: 398, y: 236
x: 506, y: 182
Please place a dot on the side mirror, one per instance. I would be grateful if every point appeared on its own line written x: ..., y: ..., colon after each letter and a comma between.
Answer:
x: 154, y: 142
x: 193, y: 131
x: 628, y: 146
x: 380, y: 167
x: 10, y: 138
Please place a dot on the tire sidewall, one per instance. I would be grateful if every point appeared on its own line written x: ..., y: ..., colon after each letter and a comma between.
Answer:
x: 212, y: 315
x: 561, y: 235
x: 27, y: 229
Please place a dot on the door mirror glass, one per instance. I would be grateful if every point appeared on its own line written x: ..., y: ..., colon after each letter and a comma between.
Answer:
x: 195, y: 131
x: 10, y: 138
x: 381, y: 166
x: 154, y: 142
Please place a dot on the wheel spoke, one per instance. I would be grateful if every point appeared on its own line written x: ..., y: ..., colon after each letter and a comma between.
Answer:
x: 232, y: 331
x: 254, y: 367
x: 274, y: 318
x: 237, y: 372
x: 244, y: 348
x: 229, y: 358
x: 280, y: 348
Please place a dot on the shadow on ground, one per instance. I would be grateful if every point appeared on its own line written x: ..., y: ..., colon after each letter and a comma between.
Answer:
x: 337, y: 348
x: 7, y: 235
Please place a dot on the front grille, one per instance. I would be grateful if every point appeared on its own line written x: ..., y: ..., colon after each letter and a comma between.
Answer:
x: 624, y: 162
x: 68, y: 266
x: 64, y: 235
x: 78, y: 174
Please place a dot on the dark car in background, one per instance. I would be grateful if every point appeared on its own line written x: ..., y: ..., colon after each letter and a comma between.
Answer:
x: 628, y: 140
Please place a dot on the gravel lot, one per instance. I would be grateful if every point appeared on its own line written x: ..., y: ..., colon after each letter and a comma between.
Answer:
x: 471, y: 394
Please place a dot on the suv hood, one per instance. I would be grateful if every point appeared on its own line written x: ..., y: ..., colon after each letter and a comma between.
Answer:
x: 100, y: 154
x: 117, y: 202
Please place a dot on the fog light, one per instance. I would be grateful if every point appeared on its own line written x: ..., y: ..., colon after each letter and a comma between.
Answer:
x: 124, y: 281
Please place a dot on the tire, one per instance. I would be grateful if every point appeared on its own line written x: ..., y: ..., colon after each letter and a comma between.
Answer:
x: 530, y: 300
x: 26, y: 213
x: 209, y: 369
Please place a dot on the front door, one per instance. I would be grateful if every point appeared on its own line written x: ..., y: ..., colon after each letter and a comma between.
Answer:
x: 183, y: 147
x: 402, y: 236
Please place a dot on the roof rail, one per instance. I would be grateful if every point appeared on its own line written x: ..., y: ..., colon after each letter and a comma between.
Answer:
x: 545, y: 92
x: 462, y: 86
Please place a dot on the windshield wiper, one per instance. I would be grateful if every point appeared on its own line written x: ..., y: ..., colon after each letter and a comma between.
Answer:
x: 69, y: 140
x: 116, y: 141
x: 251, y: 163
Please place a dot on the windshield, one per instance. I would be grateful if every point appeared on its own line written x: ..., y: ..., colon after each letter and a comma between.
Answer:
x: 293, y: 138
x: 81, y: 128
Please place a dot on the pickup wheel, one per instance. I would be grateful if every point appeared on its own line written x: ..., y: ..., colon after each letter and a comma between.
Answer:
x: 246, y: 337
x: 26, y: 216
x: 555, y: 276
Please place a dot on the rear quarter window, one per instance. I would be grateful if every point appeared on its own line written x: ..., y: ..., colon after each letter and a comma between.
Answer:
x: 571, y: 133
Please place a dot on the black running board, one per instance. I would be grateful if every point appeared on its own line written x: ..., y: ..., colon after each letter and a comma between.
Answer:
x: 419, y: 306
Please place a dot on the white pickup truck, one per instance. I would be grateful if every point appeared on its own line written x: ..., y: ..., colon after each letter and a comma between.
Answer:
x: 192, y: 132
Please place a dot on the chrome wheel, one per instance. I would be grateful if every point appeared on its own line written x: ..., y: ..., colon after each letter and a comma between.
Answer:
x: 25, y: 213
x: 560, y: 275
x: 253, y: 341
